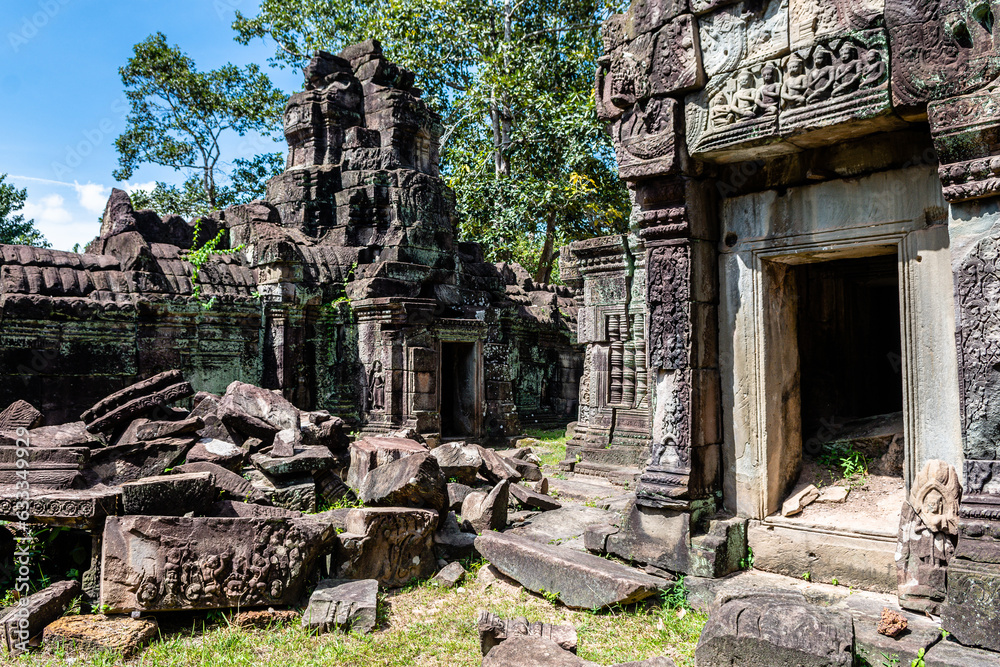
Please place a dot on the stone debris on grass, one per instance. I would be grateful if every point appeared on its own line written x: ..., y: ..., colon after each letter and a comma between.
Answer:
x: 487, y: 511
x: 578, y: 580
x: 28, y: 618
x: 528, y: 651
x: 265, y: 619
x: 342, y: 605
x: 449, y: 576
x: 123, y: 635
x: 493, y: 630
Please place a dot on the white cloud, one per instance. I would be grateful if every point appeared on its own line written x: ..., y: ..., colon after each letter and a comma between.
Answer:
x: 93, y: 197
x: 47, y: 211
x: 135, y: 187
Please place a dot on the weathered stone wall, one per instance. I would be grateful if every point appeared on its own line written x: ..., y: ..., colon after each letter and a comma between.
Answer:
x: 757, y: 136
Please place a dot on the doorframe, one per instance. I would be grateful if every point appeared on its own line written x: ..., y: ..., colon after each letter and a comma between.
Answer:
x: 479, y: 377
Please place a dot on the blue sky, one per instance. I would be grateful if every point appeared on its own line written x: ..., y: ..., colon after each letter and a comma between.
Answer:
x: 62, y: 101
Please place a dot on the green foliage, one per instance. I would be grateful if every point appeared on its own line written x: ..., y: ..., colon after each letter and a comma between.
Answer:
x: 531, y: 166
x: 844, y: 460
x: 807, y: 576
x: 746, y: 563
x: 339, y: 504
x: 198, y: 256
x: 177, y: 117
x: 551, y: 596
x: 14, y: 229
x: 676, y: 596
x: 919, y: 662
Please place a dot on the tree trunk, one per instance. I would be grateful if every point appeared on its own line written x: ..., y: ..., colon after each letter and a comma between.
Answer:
x: 545, y: 262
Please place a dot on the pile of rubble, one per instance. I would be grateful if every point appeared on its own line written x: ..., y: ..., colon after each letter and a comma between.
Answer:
x: 245, y: 501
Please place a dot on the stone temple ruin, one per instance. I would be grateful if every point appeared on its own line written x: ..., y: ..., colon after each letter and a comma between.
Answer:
x: 810, y: 277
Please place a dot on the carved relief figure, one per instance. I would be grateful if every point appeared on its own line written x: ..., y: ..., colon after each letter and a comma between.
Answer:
x: 820, y: 80
x: 928, y: 533
x: 874, y: 68
x: 376, y: 386
x: 793, y: 90
x: 848, y: 73
x: 769, y: 95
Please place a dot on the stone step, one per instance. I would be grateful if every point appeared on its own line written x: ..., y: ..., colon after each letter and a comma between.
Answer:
x: 621, y: 475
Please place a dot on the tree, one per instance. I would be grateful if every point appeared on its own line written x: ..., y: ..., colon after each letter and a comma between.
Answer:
x: 177, y: 117
x: 14, y: 229
x: 531, y: 166
x: 247, y: 181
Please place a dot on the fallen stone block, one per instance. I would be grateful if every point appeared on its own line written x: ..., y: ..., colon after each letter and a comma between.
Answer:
x: 119, y: 409
x: 246, y: 425
x: 798, y: 502
x: 232, y: 485
x: 265, y: 619
x: 392, y: 545
x: 20, y: 414
x: 167, y: 563
x: 305, y: 460
x: 292, y: 493
x: 285, y: 442
x: 219, y: 452
x: 74, y: 434
x: 117, y: 465
x: 77, y: 508
x: 775, y: 631
x: 495, y: 468
x: 169, y: 495
x: 541, y: 486
x: 30, y: 615
x: 449, y: 576
x: 952, y: 654
x: 263, y: 404
x: 528, y: 471
x: 487, y: 511
x: 580, y: 580
x: 833, y: 494
x: 236, y: 509
x: 120, y: 634
x: 331, y: 488
x: 459, y: 461
x: 493, y: 630
x: 457, y: 494
x: 528, y: 498
x: 155, y: 430
x: 52, y: 468
x: 870, y: 642
x: 595, y: 538
x: 565, y: 526
x: 342, y: 605
x: 524, y: 651
x: 369, y: 453
x: 412, y: 481
x: 451, y: 542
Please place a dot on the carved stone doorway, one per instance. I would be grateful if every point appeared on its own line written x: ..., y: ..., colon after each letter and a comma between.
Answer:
x: 461, y: 393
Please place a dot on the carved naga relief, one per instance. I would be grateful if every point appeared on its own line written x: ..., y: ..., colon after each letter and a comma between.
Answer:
x: 928, y: 533
x: 647, y: 139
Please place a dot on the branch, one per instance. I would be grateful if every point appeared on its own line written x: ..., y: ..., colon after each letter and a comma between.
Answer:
x: 565, y: 28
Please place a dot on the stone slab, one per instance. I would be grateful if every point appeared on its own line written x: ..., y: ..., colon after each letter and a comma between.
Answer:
x: 493, y: 630
x: 233, y: 486
x: 170, y: 563
x: 525, y: 651
x: 529, y: 498
x: 169, y: 495
x: 775, y: 631
x: 342, y: 605
x: 304, y: 460
x: 392, y: 545
x: 564, y: 524
x: 123, y: 635
x: 581, y: 580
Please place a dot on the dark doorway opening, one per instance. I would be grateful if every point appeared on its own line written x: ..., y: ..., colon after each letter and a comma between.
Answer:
x: 849, y: 341
x: 459, y: 390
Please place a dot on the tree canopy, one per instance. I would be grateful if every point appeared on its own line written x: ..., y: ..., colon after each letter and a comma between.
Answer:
x: 14, y: 229
x: 512, y: 79
x: 178, y: 117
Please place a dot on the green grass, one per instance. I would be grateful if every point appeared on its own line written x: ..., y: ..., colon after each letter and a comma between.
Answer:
x: 552, y: 445
x: 422, y: 626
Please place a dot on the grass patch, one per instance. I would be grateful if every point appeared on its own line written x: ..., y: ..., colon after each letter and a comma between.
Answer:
x: 422, y: 626
x: 551, y: 447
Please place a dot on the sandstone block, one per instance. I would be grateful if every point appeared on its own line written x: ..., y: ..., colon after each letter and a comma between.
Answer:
x: 342, y: 605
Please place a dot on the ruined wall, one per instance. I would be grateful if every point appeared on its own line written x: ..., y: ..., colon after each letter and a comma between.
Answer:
x: 344, y: 288
x: 762, y: 134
